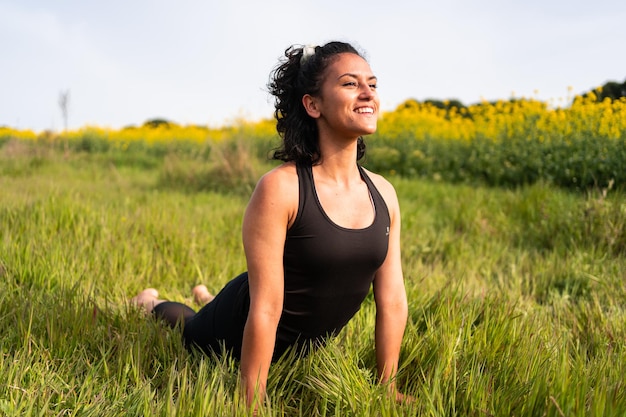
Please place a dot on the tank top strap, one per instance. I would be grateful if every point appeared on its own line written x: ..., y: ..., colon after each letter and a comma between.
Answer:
x: 379, y: 201
x: 306, y: 188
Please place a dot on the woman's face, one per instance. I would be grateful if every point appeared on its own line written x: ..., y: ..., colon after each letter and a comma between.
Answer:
x: 348, y: 102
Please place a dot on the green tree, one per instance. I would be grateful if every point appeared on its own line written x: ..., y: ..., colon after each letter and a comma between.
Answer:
x: 611, y: 89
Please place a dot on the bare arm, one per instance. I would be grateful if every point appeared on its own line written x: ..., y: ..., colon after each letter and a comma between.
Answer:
x: 390, y: 297
x: 264, y: 230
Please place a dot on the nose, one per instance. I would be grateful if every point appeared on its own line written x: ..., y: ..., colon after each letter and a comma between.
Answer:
x: 367, y: 92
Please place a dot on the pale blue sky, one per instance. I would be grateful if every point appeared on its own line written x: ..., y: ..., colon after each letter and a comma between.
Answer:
x: 207, y: 62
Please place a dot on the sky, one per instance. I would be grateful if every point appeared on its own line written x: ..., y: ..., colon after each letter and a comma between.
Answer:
x: 208, y: 62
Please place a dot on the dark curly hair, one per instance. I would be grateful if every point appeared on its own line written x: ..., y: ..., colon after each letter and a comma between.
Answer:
x: 294, y: 77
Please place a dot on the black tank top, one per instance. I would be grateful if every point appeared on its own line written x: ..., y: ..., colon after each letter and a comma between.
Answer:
x: 328, y: 268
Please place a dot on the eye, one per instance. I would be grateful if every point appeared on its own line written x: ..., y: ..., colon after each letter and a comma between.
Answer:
x: 374, y: 86
x: 350, y: 84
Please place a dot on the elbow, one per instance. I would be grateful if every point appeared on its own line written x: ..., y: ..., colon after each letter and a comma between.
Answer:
x: 266, y: 314
x: 404, y: 306
x: 398, y: 310
x: 274, y: 314
x: 401, y: 311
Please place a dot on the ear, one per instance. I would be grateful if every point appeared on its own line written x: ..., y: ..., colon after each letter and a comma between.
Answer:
x: 311, y: 105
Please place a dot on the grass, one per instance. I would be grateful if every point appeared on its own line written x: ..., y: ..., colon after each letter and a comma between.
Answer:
x: 516, y: 296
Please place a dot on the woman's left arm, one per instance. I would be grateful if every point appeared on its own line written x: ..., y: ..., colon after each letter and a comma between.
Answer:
x: 390, y: 297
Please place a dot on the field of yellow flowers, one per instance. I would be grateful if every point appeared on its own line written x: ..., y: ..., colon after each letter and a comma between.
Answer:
x: 508, y: 142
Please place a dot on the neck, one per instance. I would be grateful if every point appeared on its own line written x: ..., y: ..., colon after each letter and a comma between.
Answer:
x: 337, y: 155
x: 339, y: 165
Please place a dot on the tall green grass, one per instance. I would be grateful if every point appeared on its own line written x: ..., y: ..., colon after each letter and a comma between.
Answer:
x: 516, y: 296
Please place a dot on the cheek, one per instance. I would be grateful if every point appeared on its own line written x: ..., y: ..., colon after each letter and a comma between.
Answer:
x: 376, y: 98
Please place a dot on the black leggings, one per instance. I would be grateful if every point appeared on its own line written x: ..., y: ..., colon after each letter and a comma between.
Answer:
x: 219, y: 324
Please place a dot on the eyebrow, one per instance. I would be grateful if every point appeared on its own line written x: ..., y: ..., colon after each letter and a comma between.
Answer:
x: 349, y: 74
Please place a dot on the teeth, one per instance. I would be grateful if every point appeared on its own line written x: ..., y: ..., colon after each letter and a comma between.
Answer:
x: 365, y: 110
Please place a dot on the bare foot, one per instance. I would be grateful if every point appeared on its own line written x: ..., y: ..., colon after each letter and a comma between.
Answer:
x: 147, y: 299
x: 201, y: 295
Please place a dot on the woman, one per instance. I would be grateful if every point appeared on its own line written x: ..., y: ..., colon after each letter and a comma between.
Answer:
x: 318, y: 230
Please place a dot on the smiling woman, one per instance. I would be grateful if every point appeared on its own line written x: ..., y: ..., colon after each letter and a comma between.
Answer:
x: 318, y: 232
x: 348, y: 103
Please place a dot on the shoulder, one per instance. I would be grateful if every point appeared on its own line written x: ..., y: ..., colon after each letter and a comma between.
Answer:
x: 282, y: 179
x: 277, y: 191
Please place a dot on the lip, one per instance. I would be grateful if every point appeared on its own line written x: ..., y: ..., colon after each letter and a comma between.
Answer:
x: 365, y: 110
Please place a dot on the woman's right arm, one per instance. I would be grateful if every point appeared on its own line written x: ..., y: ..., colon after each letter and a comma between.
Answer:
x: 268, y: 215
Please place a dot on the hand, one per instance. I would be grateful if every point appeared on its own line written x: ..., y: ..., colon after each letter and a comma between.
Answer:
x: 404, y: 398
x: 398, y: 396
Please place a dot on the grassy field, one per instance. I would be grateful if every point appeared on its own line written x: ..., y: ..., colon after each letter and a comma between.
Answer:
x: 517, y: 298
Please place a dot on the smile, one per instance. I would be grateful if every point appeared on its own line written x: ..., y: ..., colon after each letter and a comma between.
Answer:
x: 365, y: 110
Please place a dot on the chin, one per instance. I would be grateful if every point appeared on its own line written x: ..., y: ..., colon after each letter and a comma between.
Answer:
x: 368, y: 131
